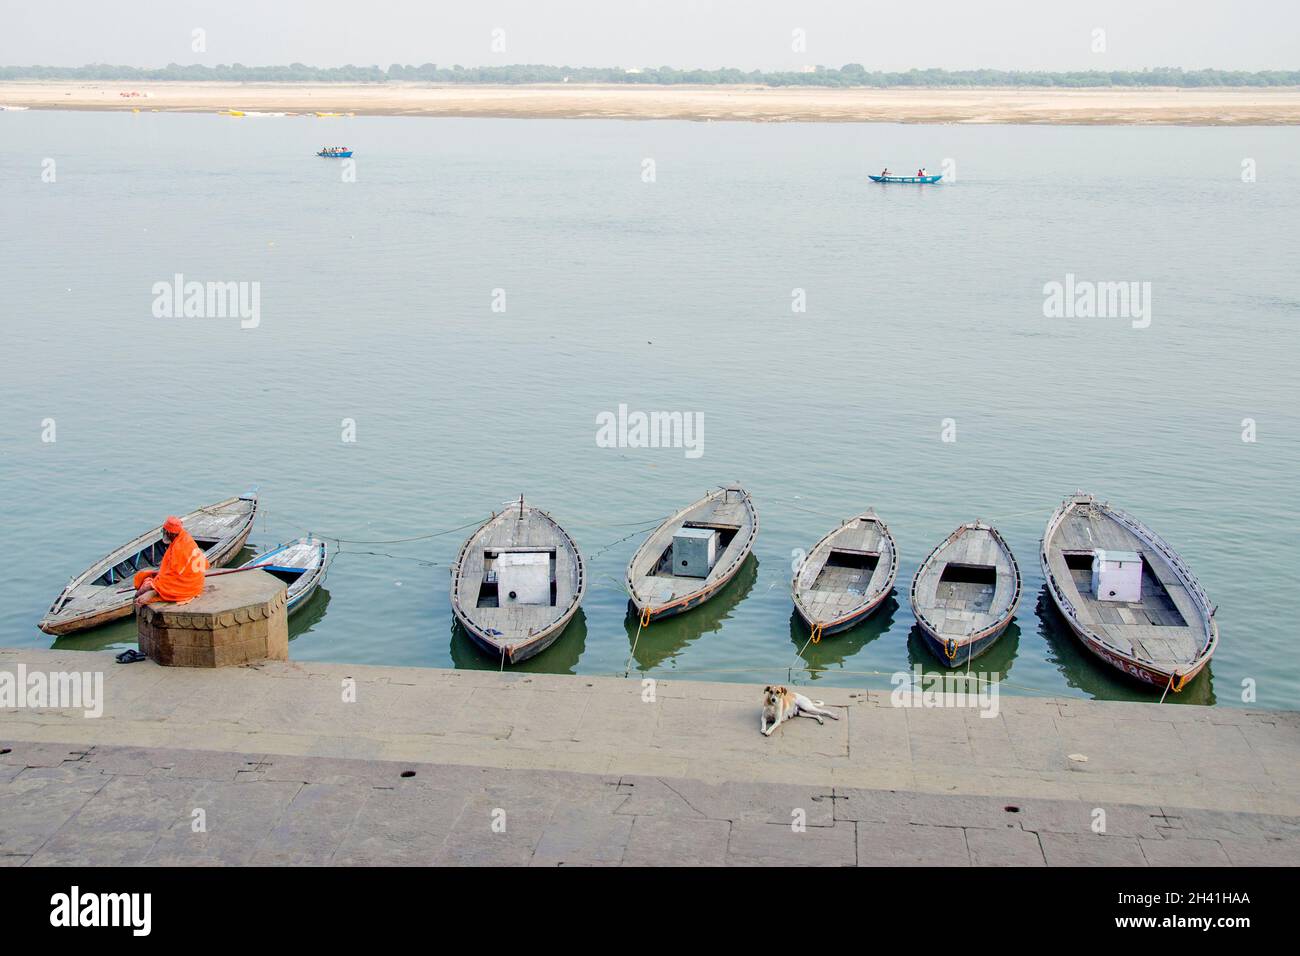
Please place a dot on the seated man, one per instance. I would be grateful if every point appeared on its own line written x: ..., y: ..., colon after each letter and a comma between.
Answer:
x: 179, y: 577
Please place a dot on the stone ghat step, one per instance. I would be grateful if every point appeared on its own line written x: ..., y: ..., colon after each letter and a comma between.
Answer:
x: 238, y: 619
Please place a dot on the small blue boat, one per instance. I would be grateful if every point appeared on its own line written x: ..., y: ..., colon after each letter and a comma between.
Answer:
x: 335, y: 152
x: 301, y: 564
x: 907, y: 179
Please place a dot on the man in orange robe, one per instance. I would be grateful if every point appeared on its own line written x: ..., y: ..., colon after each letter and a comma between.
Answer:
x: 179, y: 577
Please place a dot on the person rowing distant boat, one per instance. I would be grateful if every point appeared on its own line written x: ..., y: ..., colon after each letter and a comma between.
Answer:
x: 920, y: 173
x: 885, y: 171
x: 179, y: 577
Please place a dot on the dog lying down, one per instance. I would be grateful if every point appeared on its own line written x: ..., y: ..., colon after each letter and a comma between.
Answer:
x: 781, y: 704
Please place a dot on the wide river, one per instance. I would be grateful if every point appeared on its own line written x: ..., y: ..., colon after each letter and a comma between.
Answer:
x: 484, y: 289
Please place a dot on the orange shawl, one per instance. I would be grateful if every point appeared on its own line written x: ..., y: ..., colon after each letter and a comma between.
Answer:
x: 180, y: 576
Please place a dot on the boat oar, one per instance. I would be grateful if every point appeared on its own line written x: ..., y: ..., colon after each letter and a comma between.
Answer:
x: 213, y: 574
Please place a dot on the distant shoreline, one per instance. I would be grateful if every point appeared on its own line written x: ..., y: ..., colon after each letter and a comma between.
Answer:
x: 1224, y: 106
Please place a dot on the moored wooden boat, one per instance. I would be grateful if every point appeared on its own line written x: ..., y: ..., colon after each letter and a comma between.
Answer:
x: 846, y: 576
x: 1126, y: 594
x: 301, y: 564
x: 517, y: 583
x: 920, y: 180
x: 965, y: 593
x: 101, y: 593
x: 712, y: 538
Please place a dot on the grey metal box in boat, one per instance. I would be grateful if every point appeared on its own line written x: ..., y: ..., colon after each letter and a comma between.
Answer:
x: 1117, y: 576
x: 695, y: 550
x: 523, y: 577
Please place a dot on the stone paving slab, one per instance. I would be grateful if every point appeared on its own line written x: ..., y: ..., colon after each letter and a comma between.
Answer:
x: 478, y: 768
x: 121, y: 806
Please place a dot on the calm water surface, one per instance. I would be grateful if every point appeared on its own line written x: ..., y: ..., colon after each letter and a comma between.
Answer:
x: 923, y: 304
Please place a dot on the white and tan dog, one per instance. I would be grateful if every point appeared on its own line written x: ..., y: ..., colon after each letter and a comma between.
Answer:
x: 781, y: 704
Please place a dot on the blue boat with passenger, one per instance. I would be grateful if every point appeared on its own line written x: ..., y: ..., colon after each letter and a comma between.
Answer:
x: 920, y: 180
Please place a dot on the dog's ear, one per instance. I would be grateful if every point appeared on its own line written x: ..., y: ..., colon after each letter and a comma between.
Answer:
x: 767, y: 689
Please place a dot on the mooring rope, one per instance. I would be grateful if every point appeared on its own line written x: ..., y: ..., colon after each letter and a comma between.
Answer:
x: 640, y: 624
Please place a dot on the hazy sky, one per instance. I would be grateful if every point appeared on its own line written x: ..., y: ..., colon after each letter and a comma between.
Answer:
x: 956, y: 34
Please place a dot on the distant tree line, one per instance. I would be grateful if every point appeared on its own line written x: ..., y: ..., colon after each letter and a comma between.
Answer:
x: 851, y: 74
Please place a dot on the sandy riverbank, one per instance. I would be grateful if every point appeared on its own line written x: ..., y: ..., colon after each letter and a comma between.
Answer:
x: 1187, y: 107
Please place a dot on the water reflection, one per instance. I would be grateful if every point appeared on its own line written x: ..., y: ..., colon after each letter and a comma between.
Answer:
x: 1086, y: 672
x: 835, y: 649
x: 305, y: 619
x: 666, y: 639
x: 560, y: 658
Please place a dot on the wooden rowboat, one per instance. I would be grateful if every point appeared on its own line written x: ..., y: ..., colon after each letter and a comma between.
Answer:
x: 655, y: 582
x: 1166, y: 636
x: 920, y: 180
x: 517, y: 583
x: 846, y: 576
x: 965, y: 593
x: 301, y: 564
x: 101, y: 593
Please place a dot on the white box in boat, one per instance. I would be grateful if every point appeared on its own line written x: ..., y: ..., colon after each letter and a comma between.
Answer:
x: 1117, y: 575
x: 523, y: 577
x: 695, y: 550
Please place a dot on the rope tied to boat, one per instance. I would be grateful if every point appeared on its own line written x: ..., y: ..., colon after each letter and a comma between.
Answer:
x: 642, y: 623
x: 1175, y: 687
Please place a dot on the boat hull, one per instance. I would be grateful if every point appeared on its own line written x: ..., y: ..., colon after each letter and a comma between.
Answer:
x: 956, y: 650
x: 1137, y: 670
x: 648, y: 610
x: 218, y: 556
x: 1148, y: 672
x: 962, y: 653
x: 685, y: 604
x: 918, y: 180
x: 518, y: 652
x: 470, y: 574
x: 301, y: 590
x: 850, y: 621
x: 85, y: 622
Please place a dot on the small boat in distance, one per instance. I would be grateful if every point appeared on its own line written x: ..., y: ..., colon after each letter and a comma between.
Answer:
x: 517, y: 583
x: 103, y: 593
x: 965, y: 593
x: 301, y: 564
x: 1126, y: 594
x: 921, y: 180
x: 693, y: 554
x: 846, y: 576
x: 335, y: 152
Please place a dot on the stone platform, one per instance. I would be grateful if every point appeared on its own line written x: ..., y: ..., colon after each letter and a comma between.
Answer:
x: 238, y: 619
x: 296, y: 762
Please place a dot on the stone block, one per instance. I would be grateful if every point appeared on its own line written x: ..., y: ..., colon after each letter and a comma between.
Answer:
x: 238, y: 619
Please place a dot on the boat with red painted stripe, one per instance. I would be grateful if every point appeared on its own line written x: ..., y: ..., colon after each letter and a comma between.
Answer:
x: 692, y: 555
x: 846, y: 576
x: 1126, y: 594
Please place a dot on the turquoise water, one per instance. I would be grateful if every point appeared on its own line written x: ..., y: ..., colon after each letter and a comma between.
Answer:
x: 923, y: 304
